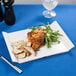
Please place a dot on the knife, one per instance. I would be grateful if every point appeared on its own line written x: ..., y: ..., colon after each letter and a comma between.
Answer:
x: 13, y: 66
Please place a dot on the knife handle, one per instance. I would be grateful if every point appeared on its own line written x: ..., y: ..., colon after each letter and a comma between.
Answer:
x: 17, y: 69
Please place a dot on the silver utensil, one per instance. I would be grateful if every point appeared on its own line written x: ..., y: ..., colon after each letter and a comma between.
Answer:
x: 13, y: 66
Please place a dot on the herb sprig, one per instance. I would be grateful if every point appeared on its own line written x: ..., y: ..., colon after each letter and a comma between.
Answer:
x: 51, y: 36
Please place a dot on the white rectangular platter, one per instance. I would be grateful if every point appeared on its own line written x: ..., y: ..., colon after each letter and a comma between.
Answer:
x: 64, y: 46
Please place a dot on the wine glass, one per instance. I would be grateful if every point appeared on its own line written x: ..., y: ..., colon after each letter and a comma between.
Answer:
x: 49, y: 5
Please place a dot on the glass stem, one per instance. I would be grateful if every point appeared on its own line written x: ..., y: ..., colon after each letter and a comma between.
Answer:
x: 48, y: 11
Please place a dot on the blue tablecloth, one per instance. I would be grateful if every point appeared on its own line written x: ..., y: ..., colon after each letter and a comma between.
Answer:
x: 58, y: 65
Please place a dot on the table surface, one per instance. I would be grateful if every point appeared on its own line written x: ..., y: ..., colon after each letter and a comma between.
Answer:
x: 58, y: 65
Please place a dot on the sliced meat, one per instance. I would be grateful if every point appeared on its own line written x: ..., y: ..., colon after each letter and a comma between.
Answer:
x: 21, y: 55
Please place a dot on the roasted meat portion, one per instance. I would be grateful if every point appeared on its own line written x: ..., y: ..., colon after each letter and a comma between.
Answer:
x: 36, y: 38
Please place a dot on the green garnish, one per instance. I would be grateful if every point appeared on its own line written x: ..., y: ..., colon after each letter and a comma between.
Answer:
x: 33, y: 28
x: 51, y: 36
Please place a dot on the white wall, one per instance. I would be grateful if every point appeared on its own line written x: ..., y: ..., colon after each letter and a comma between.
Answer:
x: 39, y: 1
